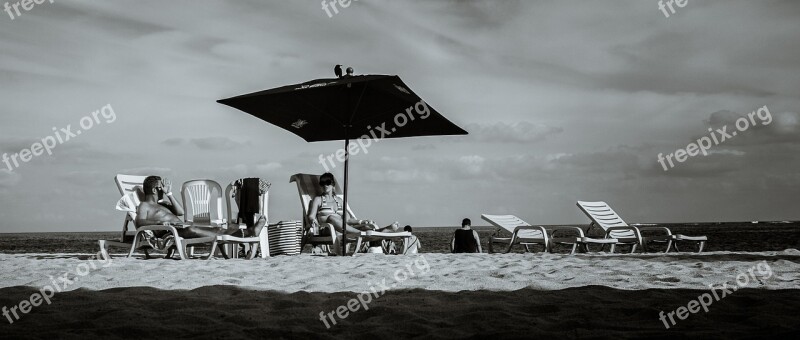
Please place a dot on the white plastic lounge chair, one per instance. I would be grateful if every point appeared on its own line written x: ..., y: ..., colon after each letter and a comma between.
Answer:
x: 308, y: 187
x: 525, y: 234
x: 255, y: 241
x: 128, y: 186
x: 604, y: 217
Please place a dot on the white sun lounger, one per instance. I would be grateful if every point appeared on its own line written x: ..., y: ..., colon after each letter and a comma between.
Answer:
x: 606, y: 218
x: 308, y: 187
x: 128, y: 186
x: 527, y: 235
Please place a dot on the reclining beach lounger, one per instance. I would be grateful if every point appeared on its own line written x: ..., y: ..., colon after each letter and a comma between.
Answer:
x: 128, y: 186
x: 606, y: 218
x: 525, y: 234
x: 308, y: 187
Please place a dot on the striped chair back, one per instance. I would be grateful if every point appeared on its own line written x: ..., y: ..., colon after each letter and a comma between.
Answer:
x: 604, y: 217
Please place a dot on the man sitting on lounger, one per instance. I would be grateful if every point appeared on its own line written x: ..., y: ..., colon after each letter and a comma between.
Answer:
x: 159, y: 207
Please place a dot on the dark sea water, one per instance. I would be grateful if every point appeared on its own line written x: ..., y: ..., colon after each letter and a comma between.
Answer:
x: 728, y: 236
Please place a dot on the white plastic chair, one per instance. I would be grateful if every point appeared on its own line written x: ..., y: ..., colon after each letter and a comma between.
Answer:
x: 202, y: 200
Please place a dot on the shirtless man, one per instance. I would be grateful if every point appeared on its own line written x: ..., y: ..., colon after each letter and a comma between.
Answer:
x: 160, y: 206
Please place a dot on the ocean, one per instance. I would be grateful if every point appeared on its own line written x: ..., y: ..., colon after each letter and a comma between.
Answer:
x: 722, y: 236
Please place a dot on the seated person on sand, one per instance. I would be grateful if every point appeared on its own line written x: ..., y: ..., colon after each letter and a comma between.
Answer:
x: 465, y: 240
x: 414, y: 245
x: 159, y: 207
x: 327, y: 208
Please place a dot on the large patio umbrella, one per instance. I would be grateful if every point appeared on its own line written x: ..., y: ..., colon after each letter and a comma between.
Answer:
x: 347, y: 108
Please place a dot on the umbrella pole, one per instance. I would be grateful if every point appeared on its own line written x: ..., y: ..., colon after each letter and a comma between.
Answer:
x: 344, y: 211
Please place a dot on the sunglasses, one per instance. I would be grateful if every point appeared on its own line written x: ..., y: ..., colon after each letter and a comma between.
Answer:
x: 325, y: 182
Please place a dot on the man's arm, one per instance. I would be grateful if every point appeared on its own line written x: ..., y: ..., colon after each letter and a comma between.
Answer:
x: 453, y: 244
x: 173, y: 205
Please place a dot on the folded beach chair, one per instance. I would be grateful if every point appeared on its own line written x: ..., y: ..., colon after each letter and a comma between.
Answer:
x: 606, y: 218
x: 130, y: 188
x: 308, y: 187
x: 525, y: 234
x: 232, y: 222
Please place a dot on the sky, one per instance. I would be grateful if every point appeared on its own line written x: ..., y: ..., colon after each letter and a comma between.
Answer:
x: 563, y: 101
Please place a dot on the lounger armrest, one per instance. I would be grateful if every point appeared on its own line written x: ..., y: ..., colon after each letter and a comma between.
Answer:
x: 158, y: 227
x: 529, y: 227
x: 553, y: 230
x: 665, y: 229
x: 635, y: 230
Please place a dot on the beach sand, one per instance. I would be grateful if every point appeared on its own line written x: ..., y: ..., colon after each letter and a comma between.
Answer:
x: 428, y: 296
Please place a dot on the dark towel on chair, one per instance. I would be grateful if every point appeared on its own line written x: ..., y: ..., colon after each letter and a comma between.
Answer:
x: 249, y: 200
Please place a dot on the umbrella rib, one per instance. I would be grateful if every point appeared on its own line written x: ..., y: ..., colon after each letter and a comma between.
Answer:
x: 358, y: 104
x: 309, y: 103
x: 382, y: 113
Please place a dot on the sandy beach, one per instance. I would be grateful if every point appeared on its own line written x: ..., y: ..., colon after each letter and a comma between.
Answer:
x: 426, y: 296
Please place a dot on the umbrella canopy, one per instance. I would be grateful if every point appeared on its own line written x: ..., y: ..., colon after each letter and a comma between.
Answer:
x: 351, y: 107
x: 344, y: 108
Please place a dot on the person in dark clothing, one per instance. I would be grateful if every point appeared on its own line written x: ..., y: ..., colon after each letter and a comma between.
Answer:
x: 466, y: 240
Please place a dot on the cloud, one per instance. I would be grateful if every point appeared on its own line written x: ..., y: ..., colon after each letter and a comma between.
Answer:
x: 148, y: 171
x: 206, y: 143
x: 518, y: 132
x: 86, y: 178
x: 174, y: 141
x: 8, y: 178
x: 268, y: 167
x: 421, y: 147
x: 758, y: 127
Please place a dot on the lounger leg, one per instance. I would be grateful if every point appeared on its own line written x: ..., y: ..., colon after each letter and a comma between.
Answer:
x: 669, y: 246
x: 263, y: 240
x: 135, y: 243
x: 213, y: 250
x: 103, y: 250
x: 491, y: 248
x: 702, y: 244
x: 358, y: 245
x: 181, y: 248
x: 633, y: 248
x: 253, y: 251
x: 612, y: 248
x: 574, y: 248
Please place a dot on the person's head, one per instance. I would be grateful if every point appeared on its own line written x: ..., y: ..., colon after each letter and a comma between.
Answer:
x: 152, y: 186
x: 327, y: 182
x: 466, y: 223
x: 407, y: 228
